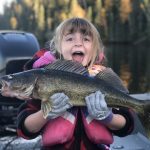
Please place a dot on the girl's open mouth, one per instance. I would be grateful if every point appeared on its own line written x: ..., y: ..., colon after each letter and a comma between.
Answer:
x: 78, y: 56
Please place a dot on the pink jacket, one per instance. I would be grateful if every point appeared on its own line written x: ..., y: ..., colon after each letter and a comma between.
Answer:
x: 46, y: 59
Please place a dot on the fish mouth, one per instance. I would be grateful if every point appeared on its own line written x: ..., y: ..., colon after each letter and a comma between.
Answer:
x: 3, y: 85
x: 22, y: 97
x: 78, y: 56
x: 20, y: 93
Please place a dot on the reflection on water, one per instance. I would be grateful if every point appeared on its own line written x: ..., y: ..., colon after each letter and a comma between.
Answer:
x: 132, y: 64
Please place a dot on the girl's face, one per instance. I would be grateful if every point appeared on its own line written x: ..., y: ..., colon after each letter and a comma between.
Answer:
x: 77, y: 47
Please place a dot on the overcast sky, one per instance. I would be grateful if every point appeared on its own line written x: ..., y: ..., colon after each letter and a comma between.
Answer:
x: 2, y: 2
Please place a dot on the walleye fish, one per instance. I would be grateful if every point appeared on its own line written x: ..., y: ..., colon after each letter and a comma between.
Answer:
x: 72, y: 79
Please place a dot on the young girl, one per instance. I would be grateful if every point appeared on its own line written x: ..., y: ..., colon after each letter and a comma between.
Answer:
x: 68, y: 127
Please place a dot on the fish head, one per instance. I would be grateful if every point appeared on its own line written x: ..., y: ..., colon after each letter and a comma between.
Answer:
x: 19, y: 85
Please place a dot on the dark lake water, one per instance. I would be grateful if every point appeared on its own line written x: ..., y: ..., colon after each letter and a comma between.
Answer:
x: 132, y: 63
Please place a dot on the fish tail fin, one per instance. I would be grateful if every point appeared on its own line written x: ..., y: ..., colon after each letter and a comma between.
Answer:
x: 145, y: 118
x: 46, y: 108
x: 147, y: 112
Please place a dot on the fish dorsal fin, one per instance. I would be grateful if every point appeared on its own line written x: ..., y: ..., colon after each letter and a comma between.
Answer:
x: 68, y: 66
x: 112, y: 78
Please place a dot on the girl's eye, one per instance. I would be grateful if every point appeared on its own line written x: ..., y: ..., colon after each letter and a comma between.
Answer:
x: 69, y: 39
x: 87, y: 39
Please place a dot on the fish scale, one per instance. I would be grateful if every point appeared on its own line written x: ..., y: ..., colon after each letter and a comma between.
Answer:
x: 72, y: 79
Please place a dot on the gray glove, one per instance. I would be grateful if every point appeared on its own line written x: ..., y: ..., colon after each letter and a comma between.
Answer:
x: 97, y: 107
x: 60, y: 103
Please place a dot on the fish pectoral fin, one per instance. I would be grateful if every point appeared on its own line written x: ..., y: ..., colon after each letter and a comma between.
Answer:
x: 46, y: 108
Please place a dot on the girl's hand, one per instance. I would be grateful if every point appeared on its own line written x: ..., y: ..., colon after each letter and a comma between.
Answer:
x: 97, y: 107
x: 60, y: 103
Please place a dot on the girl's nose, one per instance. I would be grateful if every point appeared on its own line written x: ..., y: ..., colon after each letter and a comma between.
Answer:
x: 78, y: 42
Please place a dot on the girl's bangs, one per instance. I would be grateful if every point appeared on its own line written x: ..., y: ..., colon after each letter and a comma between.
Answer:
x: 77, y: 25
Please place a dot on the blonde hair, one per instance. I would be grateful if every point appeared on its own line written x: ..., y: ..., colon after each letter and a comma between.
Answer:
x: 83, y: 26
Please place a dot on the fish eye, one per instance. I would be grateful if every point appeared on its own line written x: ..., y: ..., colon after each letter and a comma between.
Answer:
x: 9, y: 77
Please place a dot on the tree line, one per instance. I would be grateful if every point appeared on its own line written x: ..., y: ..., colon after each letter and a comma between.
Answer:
x: 116, y: 20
